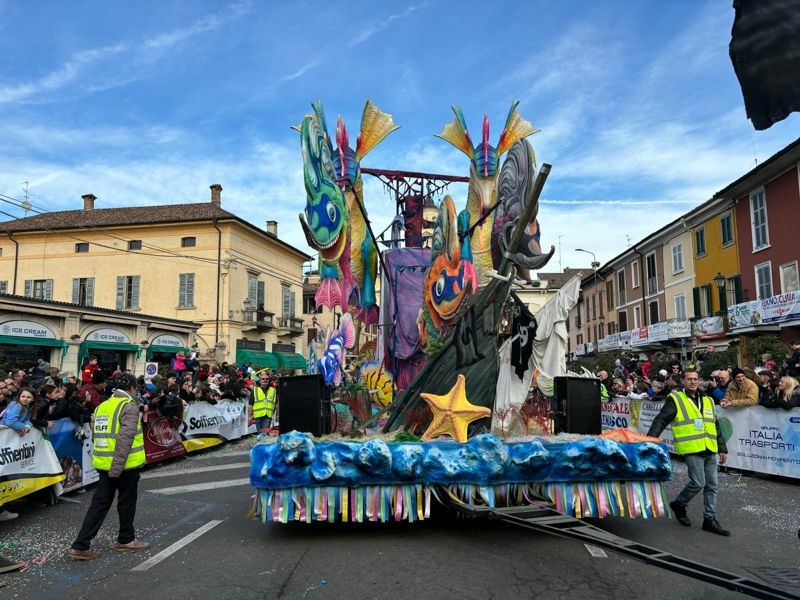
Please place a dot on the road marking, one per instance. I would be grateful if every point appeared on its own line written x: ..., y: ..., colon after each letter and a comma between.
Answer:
x: 176, y: 473
x: 199, y: 487
x: 154, y: 560
x: 596, y: 552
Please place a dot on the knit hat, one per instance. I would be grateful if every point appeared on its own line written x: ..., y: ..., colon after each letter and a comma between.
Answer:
x: 736, y: 371
x: 99, y: 377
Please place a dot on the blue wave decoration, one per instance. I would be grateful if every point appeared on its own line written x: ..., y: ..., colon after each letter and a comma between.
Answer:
x: 295, y: 460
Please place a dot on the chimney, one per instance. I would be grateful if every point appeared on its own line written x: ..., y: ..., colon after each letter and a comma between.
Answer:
x: 216, y: 194
x: 272, y: 228
x: 88, y: 201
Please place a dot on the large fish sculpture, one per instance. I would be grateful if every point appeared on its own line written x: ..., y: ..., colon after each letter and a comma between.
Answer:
x: 330, y: 365
x: 450, y: 279
x: 358, y: 283
x: 378, y: 382
x: 484, y: 164
x: 326, y: 220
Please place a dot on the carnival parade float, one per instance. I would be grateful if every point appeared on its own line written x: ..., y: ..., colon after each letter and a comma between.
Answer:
x: 457, y: 356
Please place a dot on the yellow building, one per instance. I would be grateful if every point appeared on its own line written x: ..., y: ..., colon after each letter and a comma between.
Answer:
x: 192, y: 262
x: 713, y: 228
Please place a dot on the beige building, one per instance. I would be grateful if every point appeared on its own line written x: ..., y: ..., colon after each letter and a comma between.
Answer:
x: 189, y: 262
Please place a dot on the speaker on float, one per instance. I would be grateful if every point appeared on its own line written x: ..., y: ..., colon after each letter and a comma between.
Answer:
x: 304, y: 405
x: 576, y: 405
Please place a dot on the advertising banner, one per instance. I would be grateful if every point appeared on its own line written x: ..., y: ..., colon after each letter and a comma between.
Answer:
x: 642, y: 414
x: 74, y: 453
x: 709, y: 328
x: 615, y: 413
x: 679, y: 329
x: 162, y: 438
x: 206, y: 425
x: 762, y: 439
x: 658, y: 332
x: 639, y: 336
x: 27, y: 464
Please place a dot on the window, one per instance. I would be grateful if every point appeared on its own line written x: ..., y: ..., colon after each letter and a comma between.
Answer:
x: 578, y: 317
x: 622, y: 319
x: 252, y: 289
x: 634, y: 274
x: 286, y: 297
x: 700, y: 242
x: 579, y: 339
x: 677, y: 258
x: 734, y: 289
x: 680, y: 307
x: 135, y: 245
x: 653, y: 308
x: 758, y: 216
x: 637, y: 317
x: 594, y: 307
x: 186, y: 290
x: 652, y: 284
x: 621, y: 286
x: 600, y: 303
x: 128, y: 292
x: 3, y: 287
x: 602, y: 334
x: 702, y: 301
x: 610, y: 295
x: 188, y: 242
x: 764, y: 280
x: 790, y: 282
x: 726, y: 222
x: 83, y: 291
x: 41, y: 289
x: 82, y: 247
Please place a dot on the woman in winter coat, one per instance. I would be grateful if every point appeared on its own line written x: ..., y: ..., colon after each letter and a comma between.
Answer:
x: 179, y: 365
x: 788, y: 395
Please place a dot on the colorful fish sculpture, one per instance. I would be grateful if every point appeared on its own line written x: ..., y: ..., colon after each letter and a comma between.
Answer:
x: 484, y: 163
x: 378, y: 382
x: 358, y: 285
x: 330, y: 365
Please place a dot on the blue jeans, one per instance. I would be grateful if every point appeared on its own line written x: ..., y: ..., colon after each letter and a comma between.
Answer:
x: 263, y: 423
x: 702, y: 476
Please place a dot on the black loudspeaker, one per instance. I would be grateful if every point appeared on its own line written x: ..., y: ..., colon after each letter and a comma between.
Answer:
x: 576, y: 405
x: 305, y: 405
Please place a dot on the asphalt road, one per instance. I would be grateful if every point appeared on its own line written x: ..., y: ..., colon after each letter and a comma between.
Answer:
x: 444, y: 557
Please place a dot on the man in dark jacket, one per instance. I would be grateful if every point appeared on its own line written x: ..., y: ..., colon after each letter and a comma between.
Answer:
x: 698, y: 438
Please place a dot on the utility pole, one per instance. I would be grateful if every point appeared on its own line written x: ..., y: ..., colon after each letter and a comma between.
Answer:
x: 560, y: 270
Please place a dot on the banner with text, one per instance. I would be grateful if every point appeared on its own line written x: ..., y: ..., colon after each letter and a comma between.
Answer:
x: 27, y: 464
x: 162, y: 437
x: 765, y: 440
x: 206, y: 425
x: 74, y: 452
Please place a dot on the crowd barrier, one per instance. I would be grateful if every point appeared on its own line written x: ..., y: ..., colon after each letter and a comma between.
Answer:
x: 765, y: 440
x: 36, y: 461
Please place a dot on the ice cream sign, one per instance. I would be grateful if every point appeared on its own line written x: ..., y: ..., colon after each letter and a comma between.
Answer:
x: 108, y: 335
x: 168, y: 340
x: 30, y: 329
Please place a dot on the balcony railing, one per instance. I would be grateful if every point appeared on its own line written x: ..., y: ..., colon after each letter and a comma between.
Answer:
x: 652, y: 285
x: 291, y: 325
x: 254, y: 319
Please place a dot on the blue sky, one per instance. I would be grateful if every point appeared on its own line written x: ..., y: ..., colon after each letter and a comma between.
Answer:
x: 146, y: 103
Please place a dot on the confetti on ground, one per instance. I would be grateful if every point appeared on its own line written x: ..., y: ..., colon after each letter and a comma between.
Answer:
x: 314, y: 587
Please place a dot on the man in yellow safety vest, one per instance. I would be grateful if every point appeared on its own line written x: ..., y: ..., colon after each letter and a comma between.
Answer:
x: 118, y: 452
x: 697, y: 436
x: 263, y: 400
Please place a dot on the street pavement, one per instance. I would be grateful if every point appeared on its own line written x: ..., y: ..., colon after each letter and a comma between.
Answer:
x: 195, y: 510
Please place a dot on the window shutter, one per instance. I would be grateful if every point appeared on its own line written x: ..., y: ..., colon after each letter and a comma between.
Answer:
x: 696, y: 302
x: 709, y: 303
x: 76, y: 290
x: 90, y: 291
x: 182, y: 289
x: 291, y: 305
x: 260, y: 299
x: 120, y: 292
x: 737, y: 289
x: 48, y: 289
x: 28, y: 288
x: 190, y: 289
x: 135, y: 291
x: 3, y: 287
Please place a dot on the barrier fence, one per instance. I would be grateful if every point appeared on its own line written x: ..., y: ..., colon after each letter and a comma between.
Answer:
x: 60, y: 455
x: 759, y: 439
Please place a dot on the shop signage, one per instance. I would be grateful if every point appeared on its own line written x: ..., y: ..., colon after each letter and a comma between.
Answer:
x: 172, y: 341
x: 108, y: 335
x: 30, y: 329
x: 708, y: 328
x: 288, y: 348
x: 243, y: 344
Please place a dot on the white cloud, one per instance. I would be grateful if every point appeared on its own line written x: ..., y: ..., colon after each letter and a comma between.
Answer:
x: 372, y: 30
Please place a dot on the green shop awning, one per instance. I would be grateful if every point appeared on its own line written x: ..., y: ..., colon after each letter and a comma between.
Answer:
x: 29, y: 341
x: 86, y: 348
x: 258, y: 358
x: 291, y: 361
x: 166, y: 349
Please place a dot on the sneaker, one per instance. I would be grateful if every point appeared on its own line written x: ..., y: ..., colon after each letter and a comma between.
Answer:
x: 713, y: 526
x: 679, y: 510
x: 133, y: 546
x: 7, y: 515
x: 82, y: 554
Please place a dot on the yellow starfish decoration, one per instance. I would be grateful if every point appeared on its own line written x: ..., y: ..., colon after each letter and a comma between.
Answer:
x: 452, y: 413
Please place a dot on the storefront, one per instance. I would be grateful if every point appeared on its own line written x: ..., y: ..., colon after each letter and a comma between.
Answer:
x: 23, y: 343
x: 112, y: 347
x: 163, y: 348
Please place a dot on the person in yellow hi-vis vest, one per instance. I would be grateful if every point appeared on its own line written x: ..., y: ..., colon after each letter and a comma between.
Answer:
x: 698, y: 439
x: 118, y: 453
x: 263, y: 402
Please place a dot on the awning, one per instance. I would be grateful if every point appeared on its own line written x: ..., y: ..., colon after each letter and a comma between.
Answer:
x: 86, y: 346
x: 165, y: 349
x: 291, y: 361
x: 258, y: 358
x: 30, y: 341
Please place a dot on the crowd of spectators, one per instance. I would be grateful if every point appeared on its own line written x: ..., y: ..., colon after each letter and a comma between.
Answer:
x: 769, y: 385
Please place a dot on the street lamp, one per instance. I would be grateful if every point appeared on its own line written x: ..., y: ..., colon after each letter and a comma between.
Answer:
x: 719, y: 281
x: 595, y: 264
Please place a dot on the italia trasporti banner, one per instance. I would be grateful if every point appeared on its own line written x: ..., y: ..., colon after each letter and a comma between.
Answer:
x: 206, y: 425
x: 27, y: 464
